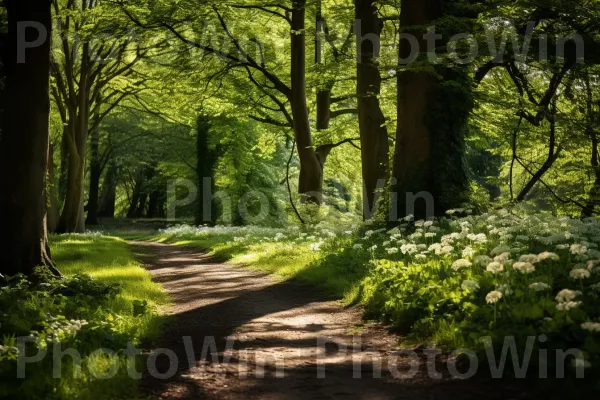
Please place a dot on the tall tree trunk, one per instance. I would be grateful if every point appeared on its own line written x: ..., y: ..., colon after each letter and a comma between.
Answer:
x: 310, y: 185
x: 72, y: 217
x: 24, y: 141
x: 323, y: 93
x: 594, y: 193
x: 95, y: 173
x: 136, y: 194
x: 52, y: 202
x: 109, y: 192
x: 156, y: 203
x: 323, y: 108
x: 373, y: 133
x: 64, y: 167
x: 206, y: 160
x: 593, y: 119
x: 429, y: 153
x: 139, y: 211
x: 412, y: 160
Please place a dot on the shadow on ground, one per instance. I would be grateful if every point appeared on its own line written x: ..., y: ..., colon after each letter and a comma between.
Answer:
x: 274, y: 329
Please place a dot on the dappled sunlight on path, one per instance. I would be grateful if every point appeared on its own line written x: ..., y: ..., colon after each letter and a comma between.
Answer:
x: 281, y: 341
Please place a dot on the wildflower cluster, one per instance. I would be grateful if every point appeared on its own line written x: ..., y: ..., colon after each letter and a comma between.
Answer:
x: 489, y: 274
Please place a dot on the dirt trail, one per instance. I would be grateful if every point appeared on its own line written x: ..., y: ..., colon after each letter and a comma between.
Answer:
x: 278, y: 324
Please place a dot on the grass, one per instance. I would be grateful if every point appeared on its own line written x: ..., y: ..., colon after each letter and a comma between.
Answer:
x: 109, y: 260
x: 114, y: 317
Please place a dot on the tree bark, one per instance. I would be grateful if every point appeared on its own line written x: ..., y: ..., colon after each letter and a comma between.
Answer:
x: 95, y: 173
x: 371, y: 121
x: 412, y: 161
x: 323, y: 108
x: 52, y: 201
x: 156, y: 201
x: 205, y: 168
x: 432, y: 118
x: 136, y: 194
x: 72, y: 217
x: 24, y: 142
x: 591, y: 130
x: 594, y: 193
x: 64, y: 167
x: 109, y: 192
x: 310, y: 185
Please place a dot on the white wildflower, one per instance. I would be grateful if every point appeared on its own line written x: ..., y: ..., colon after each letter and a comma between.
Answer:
x: 446, y: 249
x: 436, y: 247
x: 578, y: 249
x: 579, y: 273
x: 493, y: 297
x: 502, y: 258
x: 468, y: 252
x: 548, y: 255
x: 524, y: 267
x: 591, y: 326
x: 409, y: 248
x: 567, y: 295
x: 495, y: 267
x: 568, y: 305
x: 461, y: 263
x: 529, y: 258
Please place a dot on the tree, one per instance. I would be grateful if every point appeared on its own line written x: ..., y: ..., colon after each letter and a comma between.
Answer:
x: 434, y: 102
x: 24, y: 138
x: 84, y: 64
x: 278, y: 90
x: 371, y: 121
x: 206, y: 160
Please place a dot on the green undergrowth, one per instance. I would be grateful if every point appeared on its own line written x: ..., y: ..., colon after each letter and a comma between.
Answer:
x: 107, y: 300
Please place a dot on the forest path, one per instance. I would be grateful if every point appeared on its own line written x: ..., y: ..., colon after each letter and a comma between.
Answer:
x: 278, y: 324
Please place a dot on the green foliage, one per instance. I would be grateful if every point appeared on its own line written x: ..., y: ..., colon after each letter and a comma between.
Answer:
x: 106, y: 301
x: 441, y: 281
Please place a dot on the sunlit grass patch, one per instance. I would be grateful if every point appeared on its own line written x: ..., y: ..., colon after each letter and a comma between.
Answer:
x: 108, y: 259
x: 106, y: 301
